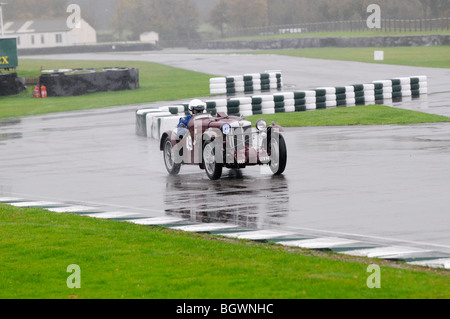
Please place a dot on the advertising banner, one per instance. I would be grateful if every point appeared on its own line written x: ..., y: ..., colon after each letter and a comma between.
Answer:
x: 8, y: 53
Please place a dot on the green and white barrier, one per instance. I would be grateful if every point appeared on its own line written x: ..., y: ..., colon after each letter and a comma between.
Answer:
x: 383, y: 89
x: 414, y: 86
x: 153, y: 122
x: 247, y: 83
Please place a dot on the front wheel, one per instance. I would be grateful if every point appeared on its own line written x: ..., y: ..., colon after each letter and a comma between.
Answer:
x: 278, y: 154
x: 169, y: 158
x: 212, y: 168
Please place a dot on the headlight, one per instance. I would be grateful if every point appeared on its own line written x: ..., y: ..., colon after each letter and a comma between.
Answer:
x: 261, y: 125
x: 226, y: 128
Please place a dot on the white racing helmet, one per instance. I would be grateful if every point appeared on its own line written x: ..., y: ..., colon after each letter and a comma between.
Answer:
x: 197, y: 106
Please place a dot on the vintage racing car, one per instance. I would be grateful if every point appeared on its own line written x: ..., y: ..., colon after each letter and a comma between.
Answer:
x: 215, y: 142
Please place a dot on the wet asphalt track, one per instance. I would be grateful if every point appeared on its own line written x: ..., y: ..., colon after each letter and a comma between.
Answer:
x: 384, y: 184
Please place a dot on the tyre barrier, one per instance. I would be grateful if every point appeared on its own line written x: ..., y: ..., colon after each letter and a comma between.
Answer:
x: 152, y: 122
x: 75, y: 82
x: 247, y: 83
x: 11, y: 84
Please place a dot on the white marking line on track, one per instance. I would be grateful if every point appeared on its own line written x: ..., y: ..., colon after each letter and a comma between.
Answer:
x: 34, y: 204
x: 384, y: 252
x: 86, y: 203
x: 154, y: 221
x: 258, y: 234
x: 366, y: 238
x: 111, y: 215
x: 318, y: 243
x: 71, y: 209
x: 204, y: 227
x: 435, y: 263
x: 10, y: 199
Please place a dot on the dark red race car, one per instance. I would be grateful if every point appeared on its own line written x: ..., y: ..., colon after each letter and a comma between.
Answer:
x: 215, y: 142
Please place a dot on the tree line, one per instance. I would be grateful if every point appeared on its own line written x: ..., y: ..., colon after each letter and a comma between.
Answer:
x: 259, y: 13
x: 180, y: 19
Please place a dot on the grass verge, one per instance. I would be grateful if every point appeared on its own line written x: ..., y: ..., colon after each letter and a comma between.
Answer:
x: 433, y: 56
x: 358, y: 115
x: 122, y: 260
x: 158, y: 83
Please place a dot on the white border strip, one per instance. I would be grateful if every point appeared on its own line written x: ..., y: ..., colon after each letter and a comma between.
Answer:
x: 434, y: 263
x: 318, y: 243
x: 72, y: 209
x: 155, y: 221
x: 258, y: 234
x: 10, y: 199
x: 112, y: 215
x: 204, y: 227
x: 384, y: 252
x: 34, y: 204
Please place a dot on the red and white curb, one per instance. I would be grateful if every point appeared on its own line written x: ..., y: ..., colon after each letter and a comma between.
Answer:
x: 351, y: 247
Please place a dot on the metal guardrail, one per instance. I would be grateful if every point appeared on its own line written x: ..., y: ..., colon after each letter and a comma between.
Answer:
x: 387, y: 25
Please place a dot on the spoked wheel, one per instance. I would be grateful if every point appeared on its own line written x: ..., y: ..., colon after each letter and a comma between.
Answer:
x: 278, y: 154
x: 212, y: 168
x: 169, y: 158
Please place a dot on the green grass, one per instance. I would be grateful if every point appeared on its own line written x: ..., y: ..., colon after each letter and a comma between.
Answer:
x: 122, y: 260
x: 337, y: 34
x: 433, y: 56
x: 359, y: 115
x: 158, y: 83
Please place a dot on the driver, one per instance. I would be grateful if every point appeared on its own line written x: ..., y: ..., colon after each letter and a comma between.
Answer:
x: 195, y: 107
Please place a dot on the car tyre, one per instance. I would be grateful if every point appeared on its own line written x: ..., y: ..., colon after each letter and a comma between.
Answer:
x: 278, y: 154
x: 169, y: 158
x: 212, y: 168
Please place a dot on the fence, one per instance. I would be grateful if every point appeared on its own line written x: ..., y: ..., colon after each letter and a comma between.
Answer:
x: 387, y: 25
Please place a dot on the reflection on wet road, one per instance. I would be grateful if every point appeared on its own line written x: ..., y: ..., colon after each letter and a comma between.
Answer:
x: 6, y: 124
x: 237, y: 199
x: 10, y: 136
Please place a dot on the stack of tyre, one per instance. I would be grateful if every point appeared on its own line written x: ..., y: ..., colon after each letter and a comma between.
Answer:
x: 75, y: 82
x: 325, y: 97
x: 284, y: 102
x: 247, y: 83
x: 178, y: 109
x: 402, y: 87
x: 304, y: 100
x: 218, y: 106
x: 364, y: 93
x: 240, y: 106
x: 408, y: 87
x: 383, y: 90
x: 11, y: 84
x: 343, y: 97
x: 419, y: 85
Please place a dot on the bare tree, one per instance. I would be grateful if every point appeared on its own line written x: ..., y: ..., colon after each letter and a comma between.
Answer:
x: 248, y: 13
x: 36, y: 9
x: 219, y: 16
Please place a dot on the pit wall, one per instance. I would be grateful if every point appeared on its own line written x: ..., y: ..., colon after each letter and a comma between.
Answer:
x: 152, y: 122
x: 247, y: 83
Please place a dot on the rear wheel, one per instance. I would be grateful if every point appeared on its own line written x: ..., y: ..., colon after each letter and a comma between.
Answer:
x: 278, y: 154
x: 169, y: 158
x: 212, y: 168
